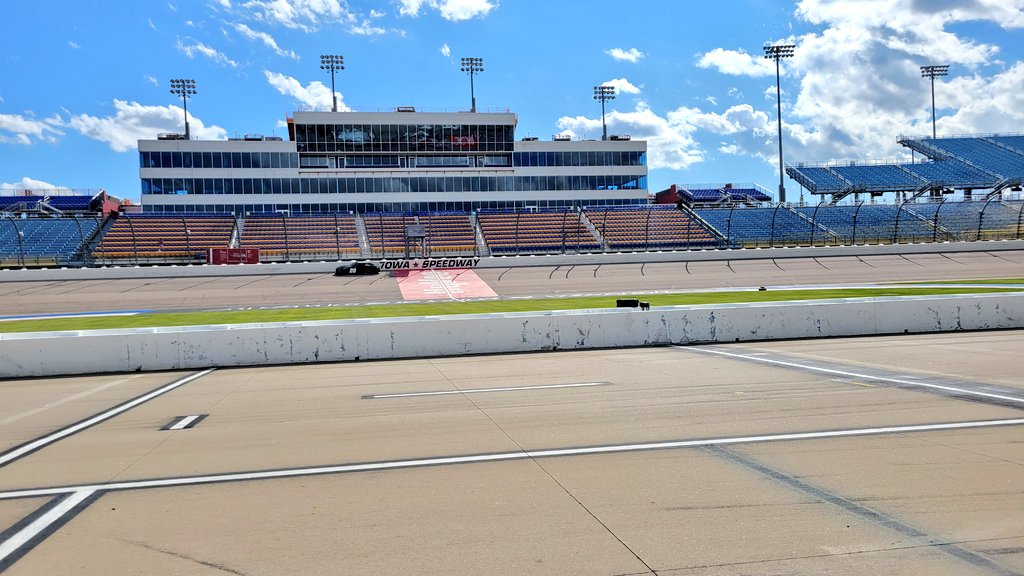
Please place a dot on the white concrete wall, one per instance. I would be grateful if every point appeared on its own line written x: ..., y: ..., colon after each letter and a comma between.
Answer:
x: 39, y: 354
x: 713, y: 255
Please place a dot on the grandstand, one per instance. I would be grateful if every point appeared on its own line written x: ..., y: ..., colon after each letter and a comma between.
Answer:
x: 720, y: 194
x: 969, y: 163
x: 161, y: 236
x: 281, y: 237
x: 650, y: 228
x: 44, y: 241
x: 551, y: 231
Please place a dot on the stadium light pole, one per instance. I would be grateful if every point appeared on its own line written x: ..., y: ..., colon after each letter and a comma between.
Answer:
x: 777, y: 53
x: 604, y: 93
x: 332, y: 63
x: 933, y: 72
x: 184, y: 87
x: 471, y: 66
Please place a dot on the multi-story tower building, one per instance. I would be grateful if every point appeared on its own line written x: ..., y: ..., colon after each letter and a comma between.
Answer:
x: 390, y: 161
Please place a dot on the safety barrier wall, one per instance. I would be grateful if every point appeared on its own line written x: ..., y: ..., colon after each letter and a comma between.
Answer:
x: 41, y: 354
x: 69, y: 274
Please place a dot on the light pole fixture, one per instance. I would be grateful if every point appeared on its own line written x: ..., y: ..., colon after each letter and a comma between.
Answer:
x: 471, y: 66
x: 933, y: 72
x: 777, y: 53
x: 604, y: 93
x: 332, y: 63
x: 184, y: 87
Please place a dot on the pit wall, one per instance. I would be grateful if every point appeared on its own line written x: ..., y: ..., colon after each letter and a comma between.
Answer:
x: 97, y: 351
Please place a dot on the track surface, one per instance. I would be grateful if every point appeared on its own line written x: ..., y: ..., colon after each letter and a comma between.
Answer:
x: 21, y: 298
x: 819, y: 464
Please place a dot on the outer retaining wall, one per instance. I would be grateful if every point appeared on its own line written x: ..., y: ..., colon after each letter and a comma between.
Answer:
x: 79, y: 352
x: 709, y: 255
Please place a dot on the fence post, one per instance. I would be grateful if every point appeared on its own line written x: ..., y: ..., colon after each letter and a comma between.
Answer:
x: 188, y: 239
x: 135, y: 243
x: 287, y: 247
x: 771, y: 239
x: 337, y: 235
x: 647, y: 231
x: 518, y: 215
x: 853, y: 241
x: 814, y: 221
x: 728, y: 225
x: 1020, y: 214
x: 896, y: 228
x: 21, y: 241
x: 81, y: 236
x: 935, y: 222
x: 981, y: 215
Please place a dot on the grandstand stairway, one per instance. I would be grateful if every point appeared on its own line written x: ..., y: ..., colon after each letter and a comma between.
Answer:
x: 593, y: 231
x: 364, y: 242
x: 481, y: 244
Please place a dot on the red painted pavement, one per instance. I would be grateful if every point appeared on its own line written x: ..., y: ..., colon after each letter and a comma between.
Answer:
x: 454, y: 283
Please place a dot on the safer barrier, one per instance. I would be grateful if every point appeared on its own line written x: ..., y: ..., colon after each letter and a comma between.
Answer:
x: 79, y: 352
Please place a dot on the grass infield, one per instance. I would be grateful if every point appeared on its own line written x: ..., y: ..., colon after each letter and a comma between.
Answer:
x: 470, y: 307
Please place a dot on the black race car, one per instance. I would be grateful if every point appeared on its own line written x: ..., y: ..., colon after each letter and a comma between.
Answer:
x: 357, y: 269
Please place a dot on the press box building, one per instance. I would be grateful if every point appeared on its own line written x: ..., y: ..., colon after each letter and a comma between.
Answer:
x: 399, y: 160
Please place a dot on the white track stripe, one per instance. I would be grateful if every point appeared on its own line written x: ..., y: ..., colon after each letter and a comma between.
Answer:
x: 500, y: 456
x: 34, y: 528
x: 51, y: 438
x: 853, y: 374
x: 65, y: 400
x: 180, y: 424
x: 479, y: 390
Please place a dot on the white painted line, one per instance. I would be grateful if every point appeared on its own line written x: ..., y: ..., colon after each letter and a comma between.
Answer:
x: 72, y: 398
x: 499, y: 456
x: 854, y: 374
x: 184, y: 422
x: 34, y: 528
x: 480, y: 390
x: 20, y: 451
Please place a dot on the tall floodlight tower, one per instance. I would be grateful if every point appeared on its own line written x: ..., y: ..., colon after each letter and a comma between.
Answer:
x: 933, y: 72
x: 184, y: 87
x: 604, y: 93
x: 471, y: 66
x: 332, y: 63
x: 777, y: 53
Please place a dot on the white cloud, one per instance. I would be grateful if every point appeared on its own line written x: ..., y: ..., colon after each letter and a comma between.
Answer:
x: 304, y: 15
x: 855, y: 85
x: 453, y: 10
x: 18, y: 129
x: 151, y: 25
x: 446, y: 51
x: 632, y: 55
x: 74, y: 45
x: 314, y: 94
x: 366, y: 28
x: 152, y: 80
x: 191, y: 50
x: 737, y: 63
x: 133, y: 121
x: 265, y: 38
x: 622, y: 86
x: 670, y: 142
x: 27, y: 183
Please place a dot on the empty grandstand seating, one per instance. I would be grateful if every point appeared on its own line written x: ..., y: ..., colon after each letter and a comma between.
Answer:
x: 878, y: 176
x: 44, y: 239
x: 649, y: 228
x: 316, y: 235
x: 952, y: 174
x: 981, y: 153
x: 758, y: 226
x: 63, y: 203
x: 448, y: 232
x: 817, y: 179
x: 546, y: 231
x: 165, y: 235
x: 727, y: 193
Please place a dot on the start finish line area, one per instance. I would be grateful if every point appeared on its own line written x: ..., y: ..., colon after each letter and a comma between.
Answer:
x: 875, y: 455
x: 438, y: 283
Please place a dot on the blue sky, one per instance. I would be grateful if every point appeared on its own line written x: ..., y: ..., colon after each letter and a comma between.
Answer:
x: 83, y: 81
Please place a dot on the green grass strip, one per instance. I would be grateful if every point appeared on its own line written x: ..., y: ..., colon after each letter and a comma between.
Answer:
x: 473, y: 307
x: 985, y: 281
